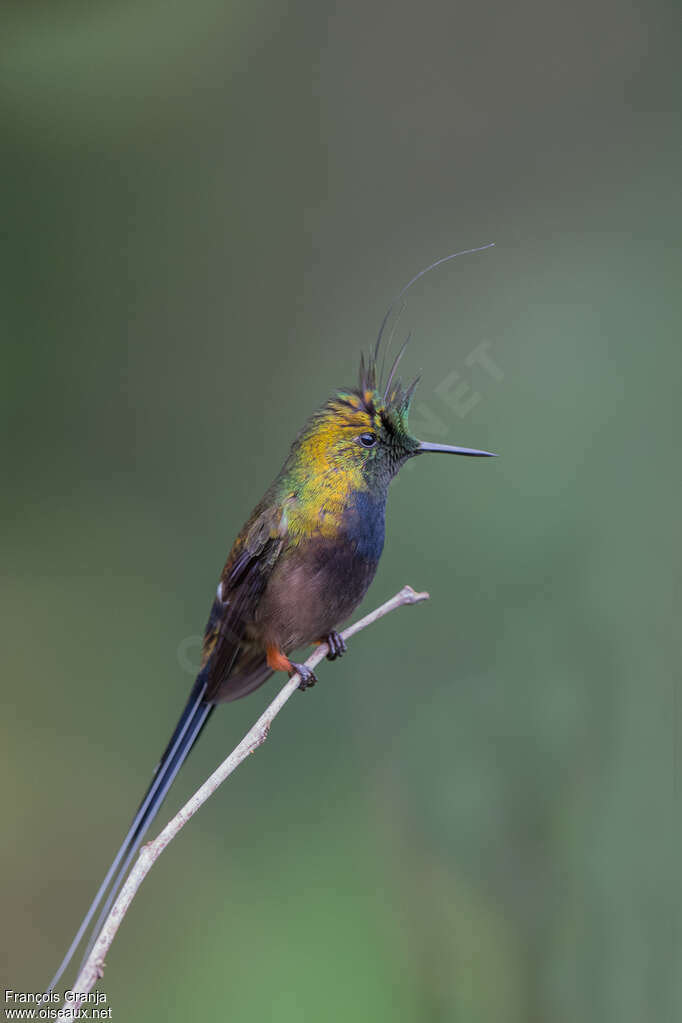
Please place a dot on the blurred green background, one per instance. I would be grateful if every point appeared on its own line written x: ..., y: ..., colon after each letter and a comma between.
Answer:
x: 206, y: 210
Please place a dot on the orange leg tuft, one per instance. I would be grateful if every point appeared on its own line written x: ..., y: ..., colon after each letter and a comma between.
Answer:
x: 277, y: 660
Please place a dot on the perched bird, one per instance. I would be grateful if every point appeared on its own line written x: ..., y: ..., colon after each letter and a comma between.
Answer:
x: 298, y: 568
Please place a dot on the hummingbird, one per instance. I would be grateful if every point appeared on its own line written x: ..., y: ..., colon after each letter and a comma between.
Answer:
x: 301, y: 564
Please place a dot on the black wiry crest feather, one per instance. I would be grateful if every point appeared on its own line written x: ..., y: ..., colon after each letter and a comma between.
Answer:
x: 396, y: 398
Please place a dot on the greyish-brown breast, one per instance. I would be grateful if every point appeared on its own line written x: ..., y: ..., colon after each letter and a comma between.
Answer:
x: 312, y: 590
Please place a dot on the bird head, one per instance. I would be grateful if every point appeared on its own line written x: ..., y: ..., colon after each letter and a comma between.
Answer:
x: 364, y: 433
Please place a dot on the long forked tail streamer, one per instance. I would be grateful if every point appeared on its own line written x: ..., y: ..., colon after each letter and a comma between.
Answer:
x: 192, y: 720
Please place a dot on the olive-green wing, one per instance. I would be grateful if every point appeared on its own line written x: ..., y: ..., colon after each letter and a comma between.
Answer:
x: 244, y: 578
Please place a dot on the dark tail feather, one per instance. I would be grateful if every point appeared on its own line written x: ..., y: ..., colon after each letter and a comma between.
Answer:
x: 134, y: 839
x: 187, y: 731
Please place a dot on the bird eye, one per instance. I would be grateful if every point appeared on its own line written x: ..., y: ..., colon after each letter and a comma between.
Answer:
x: 368, y: 440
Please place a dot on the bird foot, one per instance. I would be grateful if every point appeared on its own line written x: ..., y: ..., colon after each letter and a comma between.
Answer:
x: 337, y: 646
x: 308, y: 677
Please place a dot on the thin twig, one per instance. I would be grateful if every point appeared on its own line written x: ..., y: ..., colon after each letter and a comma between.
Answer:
x: 93, y: 968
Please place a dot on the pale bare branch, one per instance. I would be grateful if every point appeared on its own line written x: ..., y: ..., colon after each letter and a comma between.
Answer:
x: 94, y: 966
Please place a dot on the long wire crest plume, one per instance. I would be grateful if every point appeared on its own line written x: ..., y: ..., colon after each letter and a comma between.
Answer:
x: 394, y: 393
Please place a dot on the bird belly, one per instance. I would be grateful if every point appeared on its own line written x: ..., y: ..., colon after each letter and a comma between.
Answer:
x: 312, y: 590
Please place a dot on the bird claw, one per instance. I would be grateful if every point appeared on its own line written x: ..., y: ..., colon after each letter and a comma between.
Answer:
x: 308, y: 677
x: 336, y: 644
